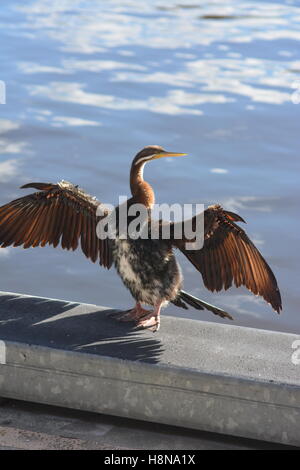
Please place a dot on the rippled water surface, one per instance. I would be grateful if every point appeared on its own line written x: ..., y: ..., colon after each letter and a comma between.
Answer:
x: 91, y: 82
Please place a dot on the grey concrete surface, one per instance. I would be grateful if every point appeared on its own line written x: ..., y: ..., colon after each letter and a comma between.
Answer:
x: 31, y: 426
x: 200, y: 375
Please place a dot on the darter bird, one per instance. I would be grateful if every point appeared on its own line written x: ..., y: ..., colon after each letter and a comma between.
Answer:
x: 64, y: 214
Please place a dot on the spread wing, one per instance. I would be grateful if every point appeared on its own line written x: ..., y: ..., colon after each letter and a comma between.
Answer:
x: 57, y: 214
x: 228, y: 256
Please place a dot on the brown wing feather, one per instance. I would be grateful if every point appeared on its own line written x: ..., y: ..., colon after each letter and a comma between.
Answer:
x: 228, y: 256
x: 57, y: 213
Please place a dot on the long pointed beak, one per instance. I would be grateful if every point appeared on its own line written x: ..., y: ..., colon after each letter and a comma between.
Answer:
x: 168, y: 154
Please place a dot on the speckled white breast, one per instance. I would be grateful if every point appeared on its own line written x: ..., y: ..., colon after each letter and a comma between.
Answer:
x: 148, y: 270
x: 124, y: 261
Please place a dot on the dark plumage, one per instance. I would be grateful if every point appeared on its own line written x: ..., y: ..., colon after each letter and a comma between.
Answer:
x: 148, y: 268
x: 64, y: 214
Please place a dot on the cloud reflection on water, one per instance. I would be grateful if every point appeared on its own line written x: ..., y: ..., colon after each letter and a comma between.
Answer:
x: 100, y: 25
x: 175, y: 102
x: 92, y: 28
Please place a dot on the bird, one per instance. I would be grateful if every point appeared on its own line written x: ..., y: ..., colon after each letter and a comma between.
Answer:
x: 66, y: 215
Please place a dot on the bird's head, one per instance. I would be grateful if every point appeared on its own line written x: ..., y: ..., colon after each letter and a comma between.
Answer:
x: 140, y: 189
x: 152, y: 152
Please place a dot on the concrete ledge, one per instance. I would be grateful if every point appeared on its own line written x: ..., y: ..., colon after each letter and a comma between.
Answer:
x: 213, y: 377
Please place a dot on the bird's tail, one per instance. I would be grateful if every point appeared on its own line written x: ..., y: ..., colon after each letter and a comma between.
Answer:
x: 185, y: 298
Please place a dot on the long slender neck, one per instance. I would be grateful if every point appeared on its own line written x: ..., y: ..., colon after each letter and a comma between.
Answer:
x: 141, y: 191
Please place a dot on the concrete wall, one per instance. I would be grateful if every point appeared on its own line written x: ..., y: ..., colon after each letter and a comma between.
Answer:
x: 213, y: 377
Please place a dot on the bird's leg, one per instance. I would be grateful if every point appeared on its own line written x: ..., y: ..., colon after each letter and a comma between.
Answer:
x: 152, y: 319
x: 134, y: 314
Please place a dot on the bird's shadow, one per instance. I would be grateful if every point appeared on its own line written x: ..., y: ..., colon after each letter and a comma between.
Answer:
x: 75, y: 327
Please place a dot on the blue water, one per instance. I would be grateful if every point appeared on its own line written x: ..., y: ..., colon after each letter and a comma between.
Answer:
x: 89, y: 83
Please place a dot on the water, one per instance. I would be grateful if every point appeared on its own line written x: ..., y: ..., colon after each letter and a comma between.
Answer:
x: 89, y: 83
